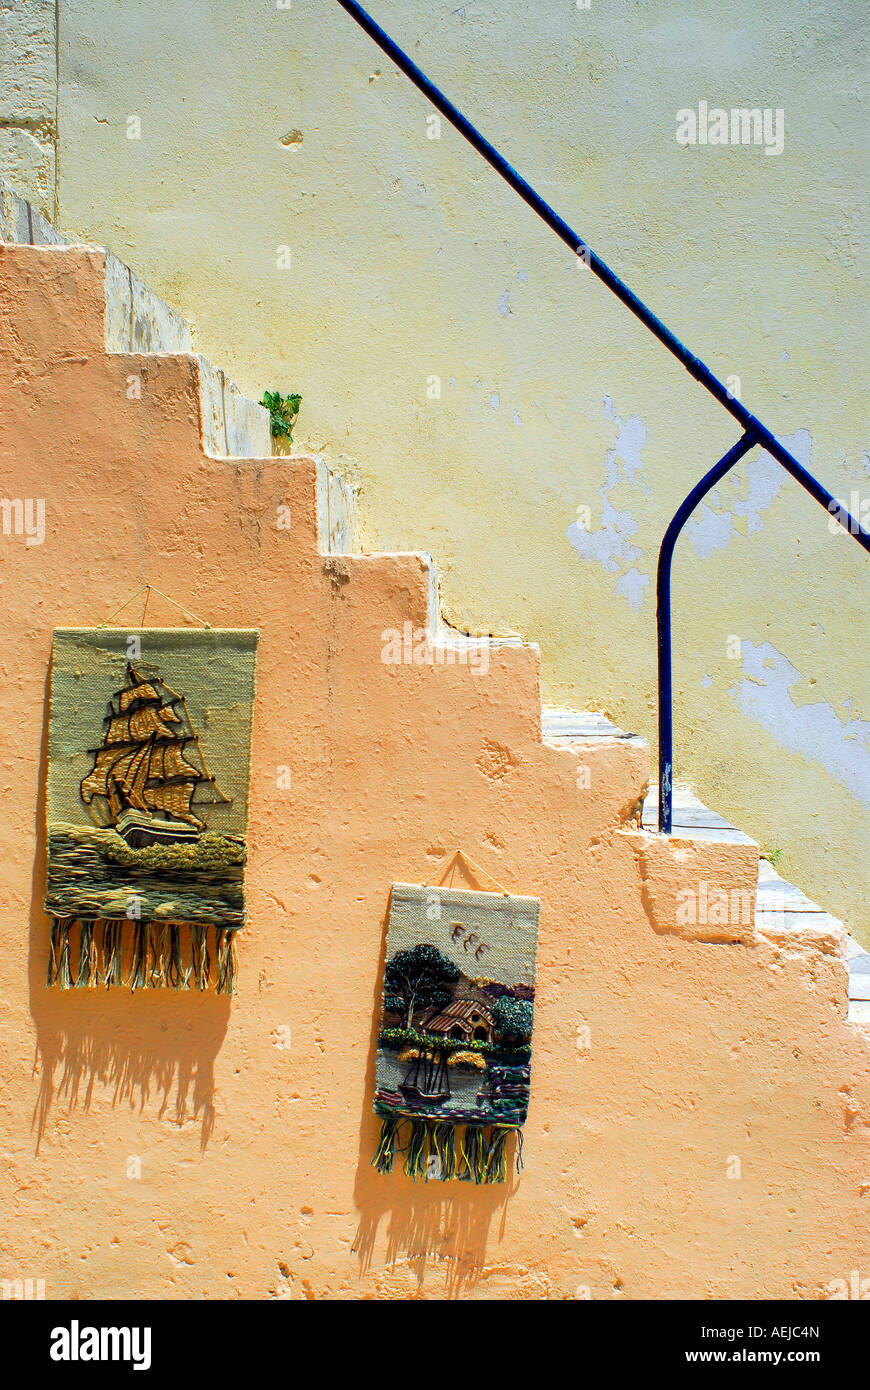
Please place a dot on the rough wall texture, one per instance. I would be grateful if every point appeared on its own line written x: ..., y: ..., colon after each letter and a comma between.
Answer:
x: 169, y: 1145
x: 564, y: 437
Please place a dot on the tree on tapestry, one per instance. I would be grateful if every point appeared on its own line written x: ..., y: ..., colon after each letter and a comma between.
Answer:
x: 513, y: 1017
x: 417, y: 979
x: 454, y: 1047
x: 147, y: 799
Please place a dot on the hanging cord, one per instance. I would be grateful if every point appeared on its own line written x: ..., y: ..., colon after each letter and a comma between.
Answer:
x: 148, y: 590
x: 449, y: 867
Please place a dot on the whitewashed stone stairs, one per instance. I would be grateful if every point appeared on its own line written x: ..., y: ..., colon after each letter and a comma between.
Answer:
x: 781, y: 909
x: 139, y: 322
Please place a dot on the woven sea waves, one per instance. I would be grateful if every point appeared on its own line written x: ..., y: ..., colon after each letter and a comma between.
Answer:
x: 147, y: 805
x: 454, y: 1049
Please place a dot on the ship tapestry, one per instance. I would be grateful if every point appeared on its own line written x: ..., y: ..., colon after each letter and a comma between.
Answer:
x: 147, y: 805
x: 454, y: 1051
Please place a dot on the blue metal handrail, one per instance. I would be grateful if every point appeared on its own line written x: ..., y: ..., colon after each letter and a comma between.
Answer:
x: 755, y: 431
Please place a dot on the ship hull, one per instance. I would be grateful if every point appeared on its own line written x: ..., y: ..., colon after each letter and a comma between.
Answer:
x: 139, y: 830
x: 421, y: 1097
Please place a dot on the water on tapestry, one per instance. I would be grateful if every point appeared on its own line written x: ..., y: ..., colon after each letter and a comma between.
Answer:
x: 147, y: 805
x: 454, y: 1048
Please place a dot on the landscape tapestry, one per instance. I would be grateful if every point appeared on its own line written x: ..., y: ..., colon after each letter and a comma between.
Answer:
x: 147, y: 805
x: 454, y: 1049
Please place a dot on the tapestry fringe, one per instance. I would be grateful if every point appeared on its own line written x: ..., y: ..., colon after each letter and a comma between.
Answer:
x: 385, y: 1152
x: 139, y: 971
x: 435, y: 1150
x: 87, y: 975
x: 199, y: 955
x: 225, y: 964
x: 443, y: 1143
x: 58, y: 957
x: 473, y: 1156
x: 415, y: 1151
x: 495, y: 1169
x: 112, y: 954
x: 162, y: 955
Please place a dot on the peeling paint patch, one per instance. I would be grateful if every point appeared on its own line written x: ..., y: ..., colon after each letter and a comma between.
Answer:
x: 708, y: 530
x: 766, y: 478
x: 611, y: 546
x: 812, y: 730
x: 632, y: 586
x: 629, y: 442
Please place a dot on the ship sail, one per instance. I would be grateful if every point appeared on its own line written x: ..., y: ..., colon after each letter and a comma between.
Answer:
x: 143, y: 765
x: 144, y: 691
x: 135, y: 727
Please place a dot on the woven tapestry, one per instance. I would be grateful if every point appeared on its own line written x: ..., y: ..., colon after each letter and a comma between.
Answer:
x: 147, y: 805
x: 454, y: 1049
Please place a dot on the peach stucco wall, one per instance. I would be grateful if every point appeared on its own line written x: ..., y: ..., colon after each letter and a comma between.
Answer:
x: 177, y: 1145
x: 492, y: 402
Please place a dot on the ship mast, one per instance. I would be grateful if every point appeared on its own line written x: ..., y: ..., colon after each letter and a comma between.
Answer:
x: 142, y: 766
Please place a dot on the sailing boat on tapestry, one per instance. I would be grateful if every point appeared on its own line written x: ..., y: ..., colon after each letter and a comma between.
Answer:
x: 147, y: 801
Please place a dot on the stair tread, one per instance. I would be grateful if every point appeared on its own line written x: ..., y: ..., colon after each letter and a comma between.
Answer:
x: 586, y: 726
x: 778, y: 903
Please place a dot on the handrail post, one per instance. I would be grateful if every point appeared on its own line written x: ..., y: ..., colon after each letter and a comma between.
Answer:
x: 663, y: 622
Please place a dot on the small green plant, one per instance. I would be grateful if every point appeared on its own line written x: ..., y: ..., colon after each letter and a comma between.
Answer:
x: 773, y: 857
x: 283, y: 413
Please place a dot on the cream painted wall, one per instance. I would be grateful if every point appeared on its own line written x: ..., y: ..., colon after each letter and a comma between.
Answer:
x: 264, y: 128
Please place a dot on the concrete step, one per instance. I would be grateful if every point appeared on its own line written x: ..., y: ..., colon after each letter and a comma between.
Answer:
x: 691, y: 818
x: 139, y: 321
x: 336, y: 512
x: 565, y: 726
x: 21, y: 224
x: 443, y: 635
x: 781, y: 908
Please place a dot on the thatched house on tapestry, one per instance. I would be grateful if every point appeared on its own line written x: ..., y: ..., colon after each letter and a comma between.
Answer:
x: 463, y: 1020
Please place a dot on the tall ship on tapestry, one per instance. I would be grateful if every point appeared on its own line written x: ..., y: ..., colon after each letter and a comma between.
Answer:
x: 147, y: 799
x: 149, y: 767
